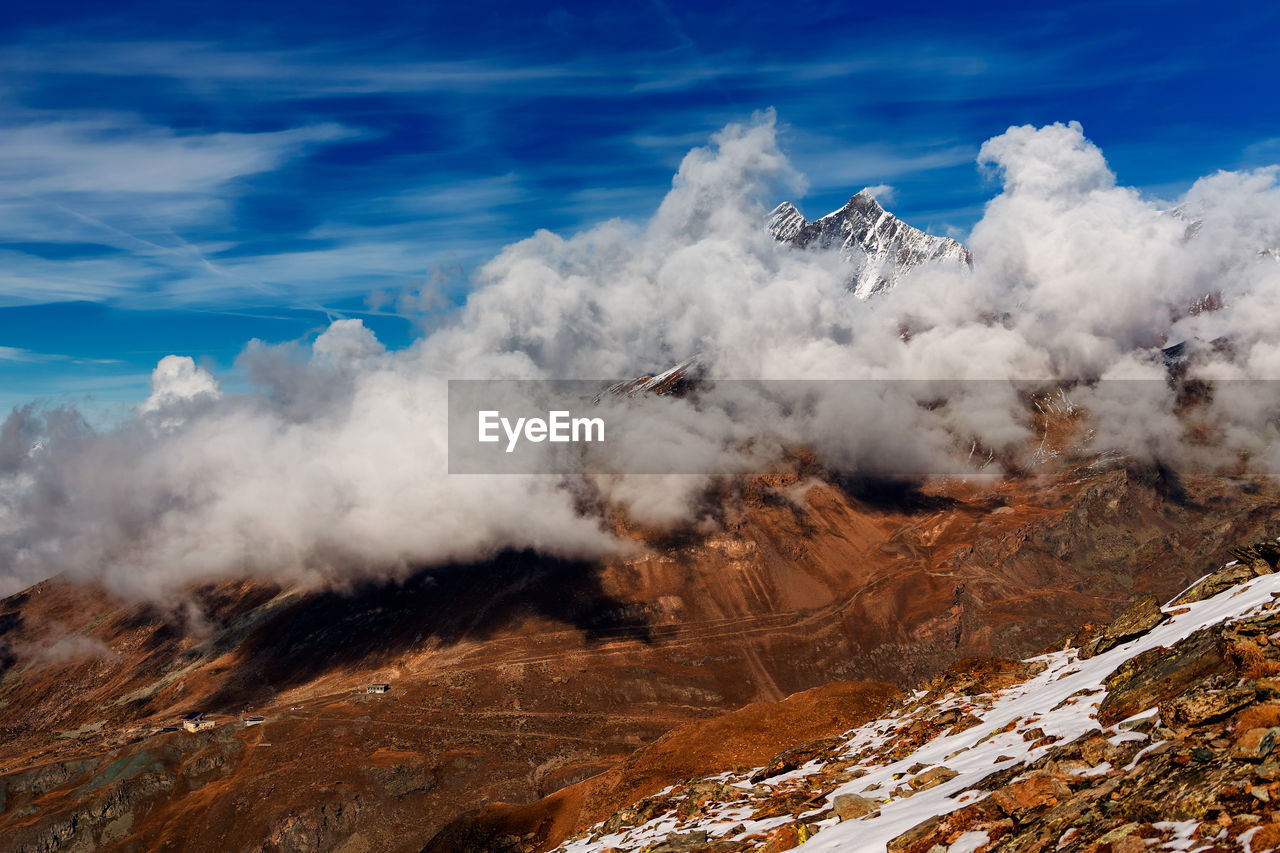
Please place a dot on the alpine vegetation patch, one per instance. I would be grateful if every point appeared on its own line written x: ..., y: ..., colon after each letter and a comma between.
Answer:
x: 558, y: 427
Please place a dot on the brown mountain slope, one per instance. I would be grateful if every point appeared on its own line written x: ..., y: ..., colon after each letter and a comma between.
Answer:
x: 746, y: 737
x: 1157, y: 731
x: 516, y: 678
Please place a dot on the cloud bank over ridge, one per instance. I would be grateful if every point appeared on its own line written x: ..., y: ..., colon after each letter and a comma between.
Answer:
x: 333, y: 466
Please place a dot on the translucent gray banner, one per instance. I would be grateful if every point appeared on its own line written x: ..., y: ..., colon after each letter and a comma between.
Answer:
x: 901, y: 428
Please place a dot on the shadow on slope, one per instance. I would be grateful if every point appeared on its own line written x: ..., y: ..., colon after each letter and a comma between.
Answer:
x: 375, y: 623
x: 897, y: 495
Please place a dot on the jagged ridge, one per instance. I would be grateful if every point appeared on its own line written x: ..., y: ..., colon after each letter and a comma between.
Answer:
x: 881, y: 247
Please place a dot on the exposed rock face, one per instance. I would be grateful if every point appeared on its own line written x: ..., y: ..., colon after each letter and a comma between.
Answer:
x: 1158, y: 675
x: 880, y: 247
x: 1193, y: 768
x: 1228, y: 576
x: 793, y: 757
x: 1137, y: 619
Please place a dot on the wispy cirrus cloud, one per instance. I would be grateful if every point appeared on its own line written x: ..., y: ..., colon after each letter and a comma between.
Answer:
x: 293, y: 73
x: 339, y: 261
x: 291, y: 165
x: 94, y: 206
x: 122, y: 154
x: 469, y: 199
x: 352, y: 69
x: 857, y: 161
x: 20, y: 354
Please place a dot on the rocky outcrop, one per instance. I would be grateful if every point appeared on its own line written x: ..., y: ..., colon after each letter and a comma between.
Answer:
x: 1137, y: 619
x: 792, y: 757
x: 1225, y: 578
x: 111, y: 794
x: 1158, y: 675
x: 1164, y: 740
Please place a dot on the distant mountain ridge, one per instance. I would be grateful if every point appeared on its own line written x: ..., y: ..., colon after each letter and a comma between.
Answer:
x: 881, y: 247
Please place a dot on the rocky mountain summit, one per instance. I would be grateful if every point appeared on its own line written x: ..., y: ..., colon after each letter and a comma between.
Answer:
x: 881, y: 247
x: 1157, y: 731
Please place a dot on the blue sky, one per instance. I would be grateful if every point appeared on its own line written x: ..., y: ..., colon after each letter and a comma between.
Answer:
x: 180, y: 178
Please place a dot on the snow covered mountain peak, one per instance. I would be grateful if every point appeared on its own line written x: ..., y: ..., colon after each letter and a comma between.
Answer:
x: 785, y: 221
x: 881, y: 247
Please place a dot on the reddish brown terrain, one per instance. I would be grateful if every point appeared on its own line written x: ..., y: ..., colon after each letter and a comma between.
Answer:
x: 515, y: 679
x: 742, y: 738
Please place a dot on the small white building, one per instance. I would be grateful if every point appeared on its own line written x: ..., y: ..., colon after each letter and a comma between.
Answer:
x: 377, y: 688
x: 198, y: 725
x: 253, y: 721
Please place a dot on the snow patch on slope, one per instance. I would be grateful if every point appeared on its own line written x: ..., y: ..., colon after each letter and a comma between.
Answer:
x: 1061, y: 701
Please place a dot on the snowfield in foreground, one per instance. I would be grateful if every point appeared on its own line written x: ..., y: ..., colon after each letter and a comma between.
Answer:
x: 872, y: 788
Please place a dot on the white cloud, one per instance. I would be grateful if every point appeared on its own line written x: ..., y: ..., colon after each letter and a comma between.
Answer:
x: 177, y: 381
x: 1054, y: 162
x: 335, y: 463
x: 883, y: 193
